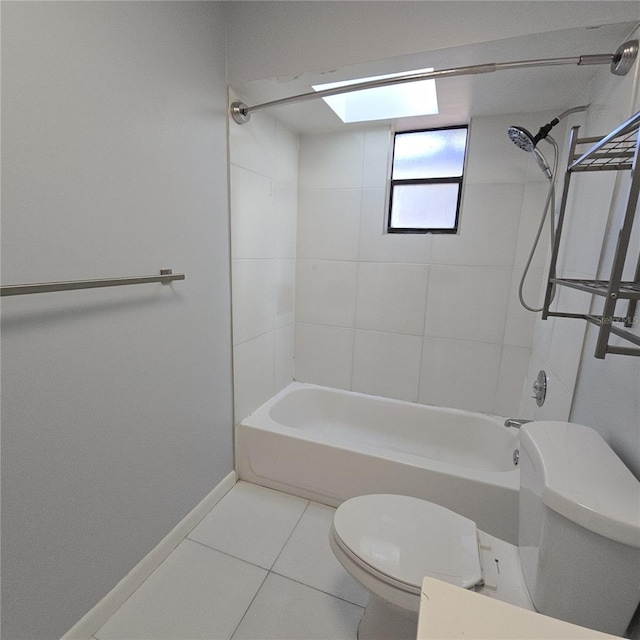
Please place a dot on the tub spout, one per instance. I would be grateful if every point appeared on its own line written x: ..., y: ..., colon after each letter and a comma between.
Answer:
x: 515, y: 422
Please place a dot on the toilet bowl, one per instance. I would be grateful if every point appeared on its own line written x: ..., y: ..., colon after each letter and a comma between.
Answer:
x: 386, y: 535
x: 389, y: 543
x: 578, y: 556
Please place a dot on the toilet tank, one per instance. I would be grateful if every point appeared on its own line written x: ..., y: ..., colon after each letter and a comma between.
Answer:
x: 579, y: 529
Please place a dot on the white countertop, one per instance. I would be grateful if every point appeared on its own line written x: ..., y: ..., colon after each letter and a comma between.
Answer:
x: 447, y: 611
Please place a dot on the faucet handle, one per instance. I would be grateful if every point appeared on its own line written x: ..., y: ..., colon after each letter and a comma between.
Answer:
x: 540, y: 387
x: 515, y: 422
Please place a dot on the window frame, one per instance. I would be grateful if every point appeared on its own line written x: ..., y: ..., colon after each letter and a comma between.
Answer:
x: 442, y: 180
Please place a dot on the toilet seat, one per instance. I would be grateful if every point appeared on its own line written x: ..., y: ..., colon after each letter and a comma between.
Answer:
x: 400, y: 540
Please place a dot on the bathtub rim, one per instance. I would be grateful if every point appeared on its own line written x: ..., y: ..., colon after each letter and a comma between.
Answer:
x: 261, y: 419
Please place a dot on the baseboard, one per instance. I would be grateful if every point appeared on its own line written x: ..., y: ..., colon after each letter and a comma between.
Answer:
x: 103, y: 610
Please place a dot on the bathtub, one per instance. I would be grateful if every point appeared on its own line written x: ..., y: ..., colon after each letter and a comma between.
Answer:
x: 328, y: 445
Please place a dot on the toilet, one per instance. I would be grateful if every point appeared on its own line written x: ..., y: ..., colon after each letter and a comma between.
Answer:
x: 578, y: 552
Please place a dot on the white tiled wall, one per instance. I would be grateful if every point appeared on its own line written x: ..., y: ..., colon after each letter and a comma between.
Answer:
x: 433, y: 319
x: 264, y: 170
x: 427, y: 318
x: 558, y: 342
x: 603, y: 394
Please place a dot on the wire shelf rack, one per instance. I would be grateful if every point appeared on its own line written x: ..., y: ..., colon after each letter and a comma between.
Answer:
x: 617, y: 151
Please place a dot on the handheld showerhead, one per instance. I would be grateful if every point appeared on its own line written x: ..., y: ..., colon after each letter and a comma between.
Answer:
x: 526, y: 141
x: 522, y: 138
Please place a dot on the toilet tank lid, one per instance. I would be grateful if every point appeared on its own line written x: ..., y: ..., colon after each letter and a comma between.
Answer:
x: 584, y: 480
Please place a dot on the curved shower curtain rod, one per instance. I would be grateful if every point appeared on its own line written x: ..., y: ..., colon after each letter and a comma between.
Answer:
x: 621, y: 61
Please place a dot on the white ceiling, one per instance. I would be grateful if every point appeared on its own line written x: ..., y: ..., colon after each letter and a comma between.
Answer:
x: 514, y: 91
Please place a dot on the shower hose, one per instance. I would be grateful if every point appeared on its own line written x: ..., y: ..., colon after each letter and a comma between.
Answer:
x: 550, y: 205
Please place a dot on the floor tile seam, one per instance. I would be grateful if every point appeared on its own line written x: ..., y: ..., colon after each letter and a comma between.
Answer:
x: 327, y: 593
x: 295, y: 526
x: 255, y: 595
x: 229, y: 555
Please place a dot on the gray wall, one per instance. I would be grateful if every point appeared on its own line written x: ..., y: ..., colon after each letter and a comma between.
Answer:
x: 116, y: 403
x: 285, y: 38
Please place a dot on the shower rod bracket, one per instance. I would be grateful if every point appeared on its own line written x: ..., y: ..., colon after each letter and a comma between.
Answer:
x: 240, y: 112
x: 624, y: 57
x: 621, y: 62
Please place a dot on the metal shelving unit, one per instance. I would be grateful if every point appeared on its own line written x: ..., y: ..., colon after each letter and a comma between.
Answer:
x: 617, y: 151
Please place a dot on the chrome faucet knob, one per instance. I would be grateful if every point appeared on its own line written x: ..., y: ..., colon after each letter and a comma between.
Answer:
x: 516, y: 423
x: 540, y: 388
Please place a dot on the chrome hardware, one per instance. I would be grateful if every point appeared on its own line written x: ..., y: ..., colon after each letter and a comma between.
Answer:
x: 620, y: 63
x: 166, y: 276
x: 540, y: 388
x: 624, y: 58
x: 240, y: 112
x: 516, y: 457
x: 516, y: 423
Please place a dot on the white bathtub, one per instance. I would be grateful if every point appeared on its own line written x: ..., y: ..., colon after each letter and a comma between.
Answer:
x: 329, y: 445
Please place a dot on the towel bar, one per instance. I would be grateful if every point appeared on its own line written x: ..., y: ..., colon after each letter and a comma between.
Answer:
x: 166, y: 276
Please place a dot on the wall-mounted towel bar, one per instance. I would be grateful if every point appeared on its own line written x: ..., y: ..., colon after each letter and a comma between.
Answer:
x: 166, y: 276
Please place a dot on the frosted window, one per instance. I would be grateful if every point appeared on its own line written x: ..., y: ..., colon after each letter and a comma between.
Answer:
x: 429, y: 154
x: 425, y: 206
x: 426, y: 180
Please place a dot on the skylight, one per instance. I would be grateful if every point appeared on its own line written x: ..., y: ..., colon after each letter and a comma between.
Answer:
x: 395, y: 101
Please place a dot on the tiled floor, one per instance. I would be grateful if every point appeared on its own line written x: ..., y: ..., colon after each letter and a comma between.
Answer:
x: 257, y: 567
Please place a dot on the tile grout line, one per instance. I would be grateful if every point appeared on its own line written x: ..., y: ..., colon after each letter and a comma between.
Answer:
x: 244, y: 615
x: 268, y: 570
x: 227, y: 554
x: 290, y: 534
x: 271, y: 571
x: 327, y: 593
x: 358, y: 268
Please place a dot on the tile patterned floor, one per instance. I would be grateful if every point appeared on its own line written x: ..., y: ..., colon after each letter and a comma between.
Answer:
x: 257, y: 567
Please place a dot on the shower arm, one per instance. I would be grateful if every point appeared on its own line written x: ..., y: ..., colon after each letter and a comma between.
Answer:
x: 621, y: 61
